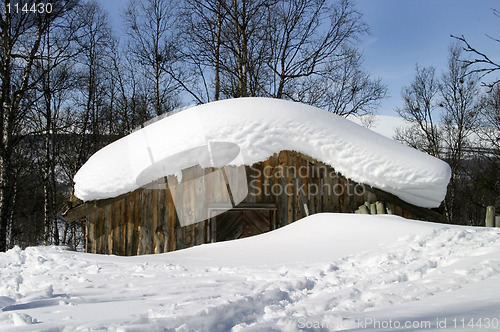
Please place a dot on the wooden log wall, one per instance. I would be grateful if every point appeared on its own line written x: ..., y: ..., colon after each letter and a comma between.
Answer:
x: 147, y: 221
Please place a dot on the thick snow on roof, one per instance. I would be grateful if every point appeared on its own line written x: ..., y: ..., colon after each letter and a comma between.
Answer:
x: 249, y: 130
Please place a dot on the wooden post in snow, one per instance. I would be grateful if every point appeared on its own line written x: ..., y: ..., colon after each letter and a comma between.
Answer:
x: 363, y: 209
x: 497, y: 221
x: 380, y: 207
x: 490, y: 216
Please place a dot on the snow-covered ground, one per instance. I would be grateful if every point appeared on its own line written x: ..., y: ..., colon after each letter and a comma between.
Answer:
x: 323, y: 273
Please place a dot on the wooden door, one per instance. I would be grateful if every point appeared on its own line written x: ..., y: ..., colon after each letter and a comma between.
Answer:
x: 237, y: 224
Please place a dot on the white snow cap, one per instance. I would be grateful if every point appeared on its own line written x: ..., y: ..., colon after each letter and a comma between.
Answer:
x: 260, y: 127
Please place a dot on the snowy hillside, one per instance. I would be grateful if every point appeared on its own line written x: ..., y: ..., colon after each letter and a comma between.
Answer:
x: 385, y: 125
x: 325, y: 272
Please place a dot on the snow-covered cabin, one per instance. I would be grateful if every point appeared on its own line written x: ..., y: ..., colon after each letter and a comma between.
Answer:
x: 240, y: 167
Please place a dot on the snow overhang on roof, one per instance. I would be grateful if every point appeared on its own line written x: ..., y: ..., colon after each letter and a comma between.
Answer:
x: 244, y: 131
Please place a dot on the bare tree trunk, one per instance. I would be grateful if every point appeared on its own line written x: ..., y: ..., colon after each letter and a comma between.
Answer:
x: 10, y: 228
x: 217, y: 50
x: 47, y: 218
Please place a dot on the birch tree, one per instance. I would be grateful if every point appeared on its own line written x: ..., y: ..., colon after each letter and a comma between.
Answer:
x: 21, y: 33
x: 151, y: 30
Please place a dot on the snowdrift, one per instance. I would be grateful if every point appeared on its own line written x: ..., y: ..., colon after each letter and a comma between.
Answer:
x: 260, y: 127
x: 323, y: 273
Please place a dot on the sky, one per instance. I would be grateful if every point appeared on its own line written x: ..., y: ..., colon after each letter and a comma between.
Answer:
x: 404, y: 33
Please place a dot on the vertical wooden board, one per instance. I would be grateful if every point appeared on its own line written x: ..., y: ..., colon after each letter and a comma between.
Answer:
x: 407, y: 214
x: 199, y: 233
x: 334, y: 193
x: 260, y: 179
x: 200, y: 194
x: 113, y: 235
x: 313, y: 187
x: 91, y: 233
x: 216, y: 187
x: 191, y: 210
x: 252, y: 180
x: 280, y: 189
x: 107, y: 226
x: 116, y: 228
x: 161, y: 228
x: 171, y: 222
x: 369, y: 196
x: 238, y: 183
x: 148, y: 232
x: 208, y: 195
x: 124, y: 224
x: 298, y: 203
x: 100, y: 232
x: 207, y: 231
x: 350, y: 191
x: 129, y: 237
x: 180, y: 238
x: 255, y: 181
x: 328, y: 190
x: 154, y: 221
x: 289, y: 189
x: 143, y: 231
x: 318, y: 192
x: 275, y: 180
x: 138, y: 220
x: 340, y: 189
x: 310, y: 193
x: 267, y: 180
x: 397, y: 210
x: 213, y: 229
x: 189, y: 234
x: 359, y: 195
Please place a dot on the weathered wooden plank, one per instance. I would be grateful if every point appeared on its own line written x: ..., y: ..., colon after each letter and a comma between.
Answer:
x: 155, y: 246
x: 277, y: 189
x: 107, y: 225
x: 299, y: 178
x: 130, y: 220
x: 343, y: 197
x: 145, y: 234
x: 162, y: 222
x: 171, y: 222
x: 91, y: 234
x: 289, y: 189
x: 101, y: 230
x: 116, y: 237
x: 137, y: 221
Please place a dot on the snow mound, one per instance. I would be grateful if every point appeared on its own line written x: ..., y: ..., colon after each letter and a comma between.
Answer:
x: 256, y: 128
x: 326, y: 272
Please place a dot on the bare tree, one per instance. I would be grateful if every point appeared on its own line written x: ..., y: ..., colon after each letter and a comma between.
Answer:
x: 444, y: 113
x: 21, y: 33
x: 203, y: 22
x: 150, y: 27
x: 94, y: 47
x: 308, y: 37
x: 481, y: 63
x: 460, y: 99
x: 419, y: 108
x: 344, y: 88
